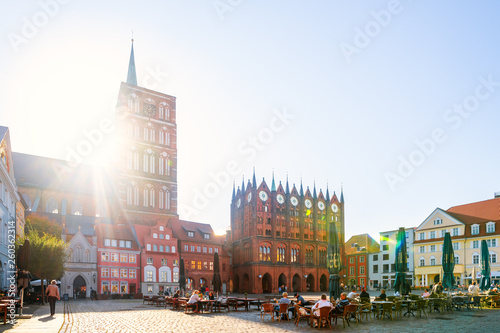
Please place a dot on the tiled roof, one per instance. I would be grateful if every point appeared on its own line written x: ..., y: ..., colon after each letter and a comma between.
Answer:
x: 487, y: 209
x: 38, y: 171
x: 118, y: 232
x: 181, y: 227
x: 362, y: 241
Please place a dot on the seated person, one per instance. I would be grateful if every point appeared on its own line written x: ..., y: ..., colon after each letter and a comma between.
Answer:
x: 300, y: 300
x: 283, y: 300
x: 364, y: 293
x: 438, y: 288
x: 339, y: 308
x: 382, y: 295
x: 494, y: 291
x: 323, y: 302
x: 352, y: 294
x: 194, y: 299
x: 177, y: 294
x: 426, y: 293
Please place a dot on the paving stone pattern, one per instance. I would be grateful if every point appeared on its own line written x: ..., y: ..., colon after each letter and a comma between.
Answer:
x: 133, y: 316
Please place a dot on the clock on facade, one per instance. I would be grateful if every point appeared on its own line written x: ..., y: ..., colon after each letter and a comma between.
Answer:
x: 308, y: 203
x: 149, y: 110
x: 249, y: 198
x: 238, y: 203
x: 321, y: 205
x: 294, y: 201
x: 280, y: 198
x: 263, y: 196
x: 335, y: 208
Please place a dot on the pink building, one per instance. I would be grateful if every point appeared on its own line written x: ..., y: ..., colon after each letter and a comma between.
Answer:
x: 118, y: 259
x: 159, y: 258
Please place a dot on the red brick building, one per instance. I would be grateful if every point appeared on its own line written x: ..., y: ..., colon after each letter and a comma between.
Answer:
x: 159, y: 258
x: 146, y: 159
x: 118, y: 259
x: 357, y: 249
x: 279, y: 237
x: 197, y: 245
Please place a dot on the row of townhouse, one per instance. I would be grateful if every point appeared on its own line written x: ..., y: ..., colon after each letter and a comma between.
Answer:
x: 126, y: 259
x: 468, y: 225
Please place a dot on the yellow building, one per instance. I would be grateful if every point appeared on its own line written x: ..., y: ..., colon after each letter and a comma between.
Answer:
x: 468, y: 225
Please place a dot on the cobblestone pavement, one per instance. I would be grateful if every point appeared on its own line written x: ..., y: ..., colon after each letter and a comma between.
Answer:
x: 133, y: 316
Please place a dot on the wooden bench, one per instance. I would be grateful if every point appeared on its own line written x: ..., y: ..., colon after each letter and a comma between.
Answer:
x: 188, y: 308
x: 235, y: 303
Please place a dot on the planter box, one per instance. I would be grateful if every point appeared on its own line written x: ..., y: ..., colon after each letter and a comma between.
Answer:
x: 102, y: 297
x: 137, y: 295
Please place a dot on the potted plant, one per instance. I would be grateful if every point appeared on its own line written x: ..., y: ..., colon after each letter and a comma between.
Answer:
x: 246, y: 294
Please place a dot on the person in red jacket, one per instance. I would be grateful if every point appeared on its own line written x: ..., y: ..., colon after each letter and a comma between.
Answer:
x: 53, y: 295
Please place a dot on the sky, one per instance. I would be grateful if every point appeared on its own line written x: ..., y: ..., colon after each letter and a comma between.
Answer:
x: 396, y: 102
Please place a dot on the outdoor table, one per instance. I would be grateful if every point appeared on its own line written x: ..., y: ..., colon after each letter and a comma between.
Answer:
x: 408, y: 303
x: 378, y: 304
x: 247, y: 301
x: 204, y: 303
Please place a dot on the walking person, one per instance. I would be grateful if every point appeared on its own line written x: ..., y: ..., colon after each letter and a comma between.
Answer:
x: 53, y: 295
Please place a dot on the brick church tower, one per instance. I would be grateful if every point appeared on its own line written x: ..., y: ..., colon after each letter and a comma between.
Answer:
x: 146, y: 154
x: 280, y: 237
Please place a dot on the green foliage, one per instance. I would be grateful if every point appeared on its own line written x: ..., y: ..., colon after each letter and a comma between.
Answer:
x: 47, y: 255
x: 42, y: 225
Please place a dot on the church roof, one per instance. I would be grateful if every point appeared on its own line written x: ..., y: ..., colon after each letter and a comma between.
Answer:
x: 131, y: 75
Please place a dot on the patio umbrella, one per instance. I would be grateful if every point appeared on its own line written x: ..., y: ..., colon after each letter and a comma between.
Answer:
x: 400, y: 283
x: 448, y: 262
x: 182, y: 276
x: 485, y: 266
x: 216, y: 278
x: 334, y: 263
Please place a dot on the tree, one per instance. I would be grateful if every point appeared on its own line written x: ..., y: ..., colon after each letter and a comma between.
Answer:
x: 43, y: 224
x: 47, y: 257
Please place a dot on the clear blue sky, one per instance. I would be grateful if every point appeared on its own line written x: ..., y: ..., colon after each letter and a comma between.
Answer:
x: 364, y: 81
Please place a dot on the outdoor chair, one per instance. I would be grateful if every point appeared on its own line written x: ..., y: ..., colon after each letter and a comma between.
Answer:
x: 145, y: 299
x: 494, y: 301
x: 398, y: 309
x: 283, y: 312
x: 476, y: 302
x: 468, y: 302
x: 343, y: 316
x: 302, y: 313
x: 421, y: 308
x: 365, y: 300
x: 366, y: 310
x: 448, y: 304
x: 457, y: 303
x: 235, y: 304
x: 153, y: 300
x: 323, y: 318
x: 386, y: 311
x: 352, y: 312
x: 267, y: 308
x: 188, y: 308
x: 222, y: 303
x: 161, y: 301
x: 169, y: 301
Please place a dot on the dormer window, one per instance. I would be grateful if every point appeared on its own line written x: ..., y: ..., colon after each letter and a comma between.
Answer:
x: 190, y: 234
x: 475, y: 229
x: 490, y: 227
x: 206, y: 236
x: 161, y: 228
